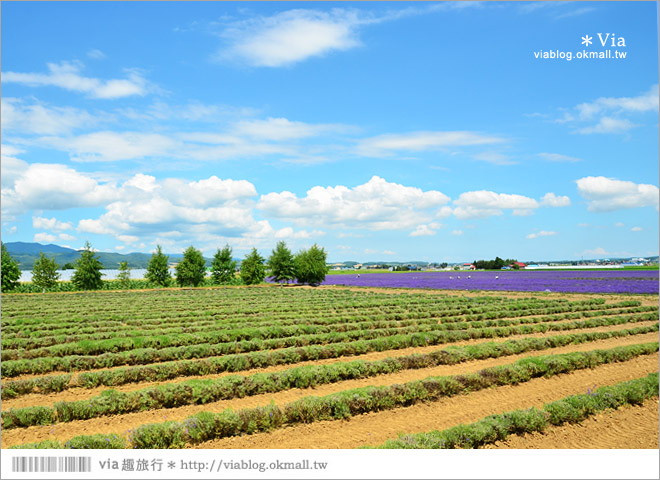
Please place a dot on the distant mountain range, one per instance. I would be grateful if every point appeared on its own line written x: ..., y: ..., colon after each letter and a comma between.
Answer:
x: 26, y: 253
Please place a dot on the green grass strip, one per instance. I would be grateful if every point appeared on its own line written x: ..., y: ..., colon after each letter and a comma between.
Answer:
x: 207, y: 426
x: 572, y: 409
x: 192, y: 392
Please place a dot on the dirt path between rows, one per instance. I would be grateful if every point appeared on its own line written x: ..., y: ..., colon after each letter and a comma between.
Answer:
x: 375, y: 428
x: 122, y: 423
x: 632, y: 426
x: 75, y: 394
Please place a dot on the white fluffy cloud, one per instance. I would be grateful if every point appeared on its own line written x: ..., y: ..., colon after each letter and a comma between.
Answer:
x: 425, y: 230
x: 484, y: 203
x: 377, y: 205
x: 608, y: 194
x: 44, y: 238
x: 67, y: 75
x: 391, y: 144
x: 51, y: 224
x: 290, y: 37
x: 53, y: 187
x: 552, y: 200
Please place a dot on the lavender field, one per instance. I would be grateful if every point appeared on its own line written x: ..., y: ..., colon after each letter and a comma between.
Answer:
x: 580, y: 281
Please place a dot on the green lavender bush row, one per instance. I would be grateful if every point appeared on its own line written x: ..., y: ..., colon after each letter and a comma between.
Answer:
x: 193, y: 392
x: 572, y: 409
x: 332, y: 349
x: 208, y: 426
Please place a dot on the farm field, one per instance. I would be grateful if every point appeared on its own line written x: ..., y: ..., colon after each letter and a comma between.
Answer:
x: 327, y: 367
x: 565, y: 281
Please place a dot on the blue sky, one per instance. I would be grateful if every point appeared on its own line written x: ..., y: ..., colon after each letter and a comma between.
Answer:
x: 381, y: 131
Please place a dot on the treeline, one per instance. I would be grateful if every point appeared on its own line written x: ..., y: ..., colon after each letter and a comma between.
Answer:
x: 496, y: 264
x: 306, y: 266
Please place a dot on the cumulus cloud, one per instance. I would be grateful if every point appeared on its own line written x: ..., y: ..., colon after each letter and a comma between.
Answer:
x: 53, y: 187
x: 542, y: 233
x: 552, y: 200
x: 608, y: 194
x: 425, y: 230
x: 483, y: 203
x: 636, y: 229
x: 391, y: 144
x: 290, y: 37
x: 377, y: 205
x: 44, y: 238
x: 67, y: 75
x: 51, y: 224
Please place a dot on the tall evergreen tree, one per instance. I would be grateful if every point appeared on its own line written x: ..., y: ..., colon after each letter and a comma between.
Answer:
x: 280, y: 262
x: 253, y: 270
x: 9, y: 270
x: 87, y: 275
x: 190, y: 271
x: 44, y: 272
x: 158, y: 271
x: 311, y: 265
x: 223, y: 267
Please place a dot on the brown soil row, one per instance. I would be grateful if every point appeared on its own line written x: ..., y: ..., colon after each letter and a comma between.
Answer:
x: 375, y: 428
x: 611, y: 327
x: 122, y: 423
x: 74, y: 394
x: 632, y: 426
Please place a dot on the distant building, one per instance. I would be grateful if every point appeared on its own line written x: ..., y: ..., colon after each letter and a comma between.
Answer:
x: 468, y: 266
x: 518, y: 264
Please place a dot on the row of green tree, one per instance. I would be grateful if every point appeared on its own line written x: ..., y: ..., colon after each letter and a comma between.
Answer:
x: 496, y: 264
x: 306, y: 266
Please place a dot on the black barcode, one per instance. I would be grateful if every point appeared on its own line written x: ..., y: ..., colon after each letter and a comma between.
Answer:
x: 51, y: 464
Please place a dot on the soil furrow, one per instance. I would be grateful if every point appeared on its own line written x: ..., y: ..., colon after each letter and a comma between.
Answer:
x: 378, y: 355
x: 375, y: 428
x: 631, y: 426
x: 122, y: 423
x: 75, y: 394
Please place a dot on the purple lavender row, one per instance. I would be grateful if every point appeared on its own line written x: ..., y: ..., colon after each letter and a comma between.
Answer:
x: 580, y: 281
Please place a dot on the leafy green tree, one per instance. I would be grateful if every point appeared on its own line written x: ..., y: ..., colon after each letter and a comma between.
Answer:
x: 158, y: 271
x: 282, y: 267
x: 68, y: 266
x: 253, y: 270
x: 311, y: 265
x: 9, y: 270
x: 223, y: 267
x: 44, y: 272
x: 124, y: 275
x: 191, y: 269
x: 87, y: 275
